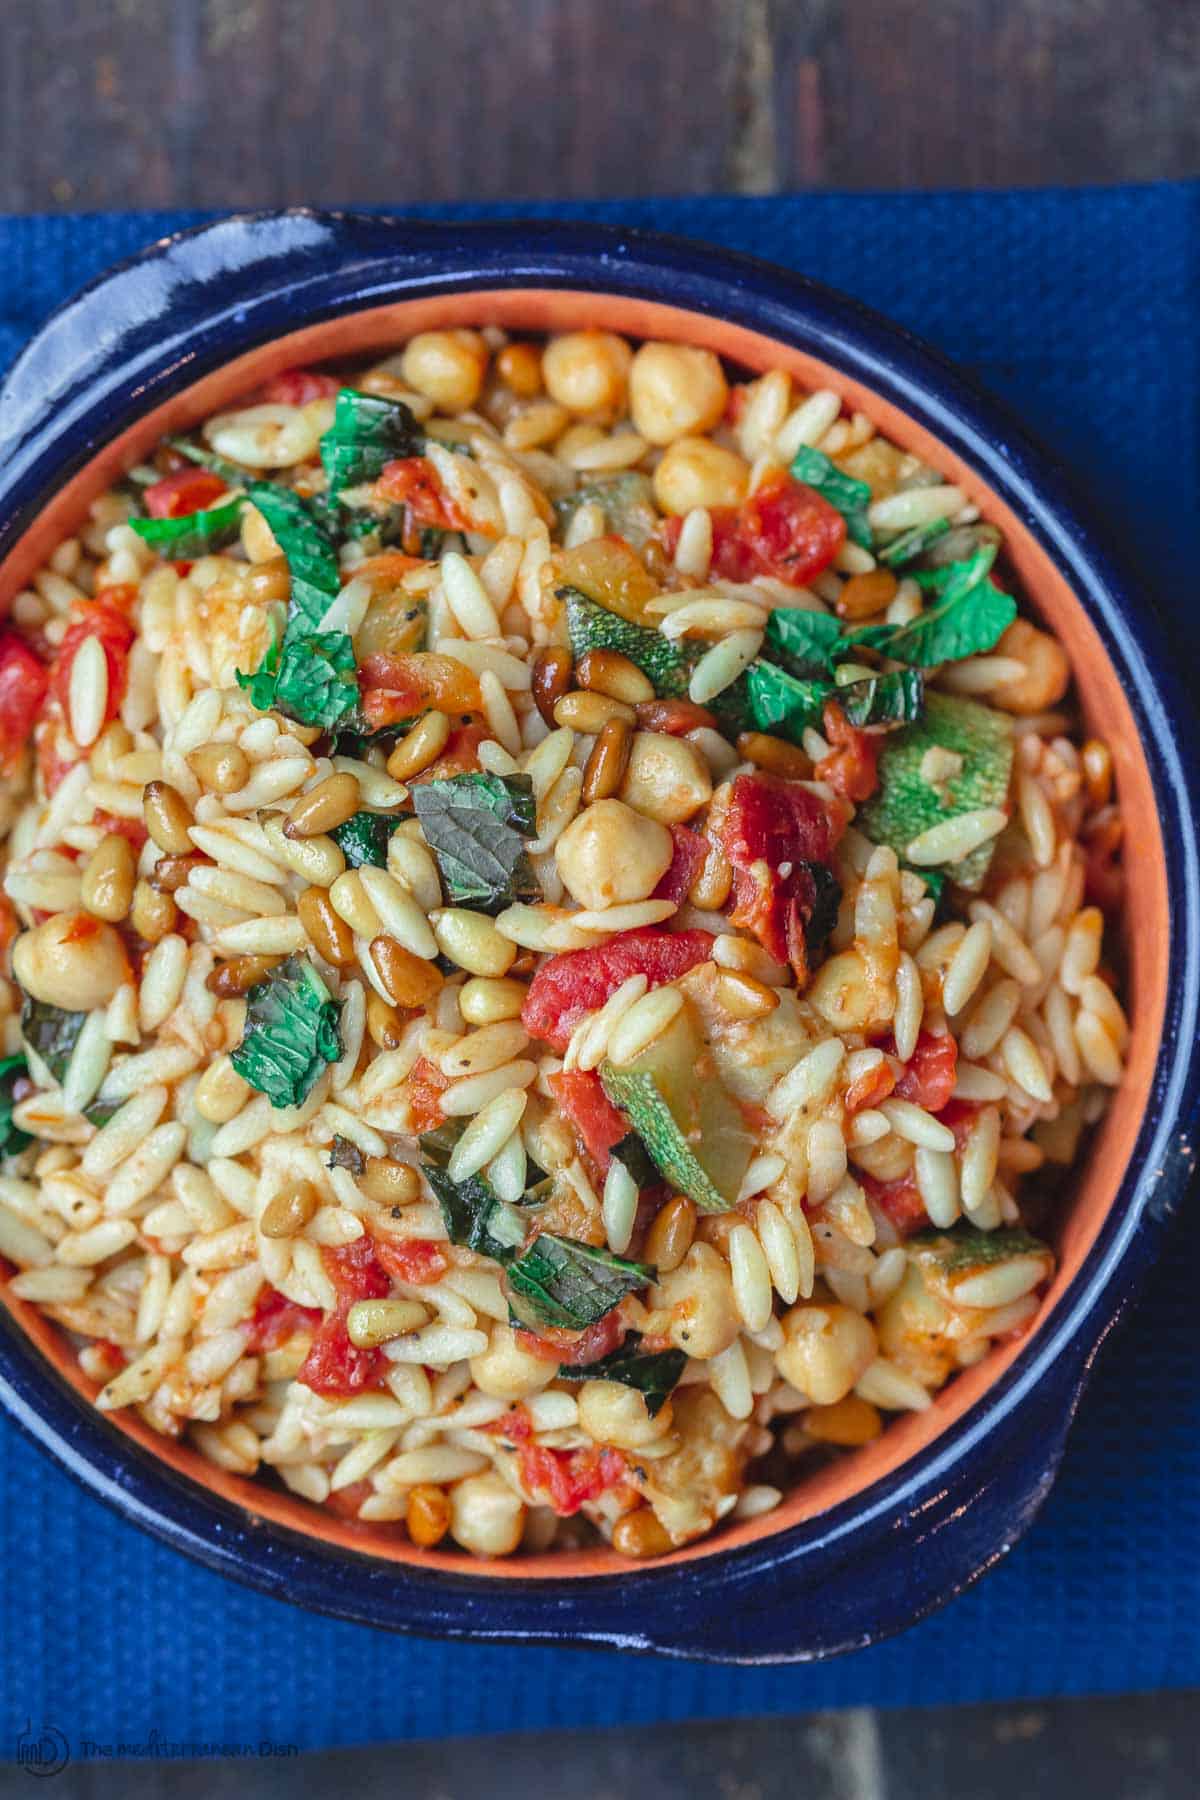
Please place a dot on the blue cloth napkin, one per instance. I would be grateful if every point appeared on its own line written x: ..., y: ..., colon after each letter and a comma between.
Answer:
x: 1080, y: 308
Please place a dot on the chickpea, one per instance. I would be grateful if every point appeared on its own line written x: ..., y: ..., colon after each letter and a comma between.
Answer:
x: 1048, y: 673
x: 507, y: 1372
x: 675, y: 391
x: 447, y: 366
x: 826, y: 1348
x: 667, y: 778
x: 612, y: 1414
x: 587, y: 371
x: 699, y: 1297
x: 610, y: 854
x: 696, y: 472
x: 72, y: 960
x: 486, y: 1517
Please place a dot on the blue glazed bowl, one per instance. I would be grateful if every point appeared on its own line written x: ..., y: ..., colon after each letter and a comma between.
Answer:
x: 888, y: 1533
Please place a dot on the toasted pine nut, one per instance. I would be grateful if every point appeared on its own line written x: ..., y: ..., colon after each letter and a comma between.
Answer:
x: 152, y: 914
x: 605, y: 768
x: 221, y: 1092
x: 670, y: 1235
x: 389, y: 1183
x: 384, y: 1026
x: 710, y: 890
x: 744, y: 997
x: 289, y: 1211
x: 675, y: 717
x: 775, y: 755
x: 373, y: 1322
x: 519, y: 367
x: 419, y: 747
x: 172, y: 872
x: 1097, y: 771
x: 551, y: 679
x: 583, y: 711
x: 864, y: 595
x: 350, y: 902
x: 168, y: 817
x: 329, y: 805
x: 329, y: 934
x: 265, y: 581
x: 221, y: 768
x: 237, y: 976
x: 409, y: 979
x: 484, y: 1000
x: 106, y: 888
x: 639, y: 1534
x: 427, y: 1515
x: 608, y: 672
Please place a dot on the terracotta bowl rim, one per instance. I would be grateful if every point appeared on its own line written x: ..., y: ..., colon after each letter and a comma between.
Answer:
x: 536, y: 255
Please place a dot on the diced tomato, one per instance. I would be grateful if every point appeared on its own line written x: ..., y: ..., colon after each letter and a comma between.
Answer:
x: 296, y: 387
x: 396, y: 688
x: 334, y: 1365
x: 276, y: 1318
x: 686, y: 864
x: 459, y: 757
x: 114, y: 824
x: 55, y: 751
x: 587, y: 1107
x: 959, y: 1116
x: 784, y: 530
x: 515, y: 1424
x: 869, y: 1089
x: 426, y: 1085
x: 928, y: 1076
x: 23, y: 683
x: 9, y: 924
x: 774, y: 832
x: 850, y: 768
x: 356, y: 1270
x: 900, y: 1200
x: 570, y: 1478
x: 415, y: 1260
x: 103, y: 620
x: 186, y: 491
x: 575, y: 1348
x: 413, y: 482
x: 581, y: 980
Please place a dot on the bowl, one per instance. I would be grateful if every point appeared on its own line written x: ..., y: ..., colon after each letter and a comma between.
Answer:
x: 879, y: 1538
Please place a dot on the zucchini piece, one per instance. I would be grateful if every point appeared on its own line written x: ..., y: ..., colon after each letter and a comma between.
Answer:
x: 950, y: 1260
x: 667, y: 662
x: 692, y: 1128
x: 628, y: 503
x: 905, y: 805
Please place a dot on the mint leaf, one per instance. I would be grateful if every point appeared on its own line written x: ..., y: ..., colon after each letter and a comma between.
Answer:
x: 846, y: 495
x: 911, y: 543
x: 192, y: 534
x: 364, y: 838
x: 654, y: 1373
x: 892, y: 699
x: 560, y: 1282
x: 51, y: 1032
x: 367, y: 433
x: 310, y: 551
x: 969, y: 617
x: 12, y: 1138
x: 231, y: 472
x: 477, y: 827
x: 801, y: 642
x: 781, y: 704
x: 291, y: 1032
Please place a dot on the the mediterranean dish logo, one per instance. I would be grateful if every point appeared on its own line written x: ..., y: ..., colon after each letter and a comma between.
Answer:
x: 43, y: 1752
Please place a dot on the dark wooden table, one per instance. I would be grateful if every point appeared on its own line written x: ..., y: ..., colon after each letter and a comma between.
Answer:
x: 123, y: 103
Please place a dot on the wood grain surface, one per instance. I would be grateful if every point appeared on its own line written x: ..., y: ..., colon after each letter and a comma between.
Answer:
x: 123, y: 103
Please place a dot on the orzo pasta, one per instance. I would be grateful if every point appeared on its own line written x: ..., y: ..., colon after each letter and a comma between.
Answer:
x: 557, y: 927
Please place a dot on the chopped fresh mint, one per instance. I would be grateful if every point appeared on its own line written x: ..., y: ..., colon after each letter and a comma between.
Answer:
x: 846, y: 495
x: 801, y: 642
x: 892, y: 699
x: 473, y: 1214
x: 12, y: 1138
x: 192, y: 534
x: 477, y: 827
x: 208, y: 459
x: 291, y: 1032
x: 311, y: 553
x: 654, y: 1373
x: 345, y: 1155
x: 364, y: 838
x: 367, y: 433
x: 968, y: 617
x: 562, y: 1283
x: 51, y: 1033
x: 781, y: 704
x: 911, y: 543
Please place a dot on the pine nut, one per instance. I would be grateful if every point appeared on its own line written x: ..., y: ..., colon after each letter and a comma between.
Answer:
x: 384, y: 1025
x: 551, y: 679
x: 774, y: 755
x: 266, y: 581
x: 409, y: 979
x: 710, y: 890
x: 427, y: 1514
x: 289, y: 1211
x: 743, y: 997
x: 519, y: 367
x: 106, y: 887
x: 350, y: 902
x: 329, y: 805
x: 471, y: 940
x: 670, y: 1235
x: 221, y: 1092
x: 419, y: 747
x: 676, y: 717
x: 605, y: 768
x: 168, y: 817
x: 373, y: 1322
x: 152, y: 914
x: 587, y: 712
x: 1096, y: 758
x: 639, y: 1534
x: 328, y: 933
x: 864, y: 595
x: 608, y: 672
x: 484, y: 1001
x: 389, y: 1183
x: 221, y: 768
x: 236, y: 977
x: 173, y: 872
